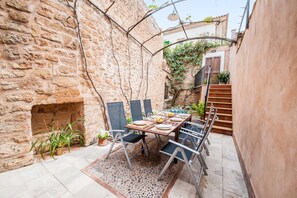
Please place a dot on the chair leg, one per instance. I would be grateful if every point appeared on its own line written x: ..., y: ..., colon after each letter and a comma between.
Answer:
x: 126, y: 153
x: 113, y: 142
x: 208, y: 142
x: 206, y: 149
x: 168, y: 163
x: 144, y: 148
x: 202, y: 163
x: 191, y: 173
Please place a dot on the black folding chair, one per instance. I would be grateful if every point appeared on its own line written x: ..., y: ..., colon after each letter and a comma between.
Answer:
x: 185, y: 154
x: 119, y: 132
x: 147, y: 106
x: 136, y: 113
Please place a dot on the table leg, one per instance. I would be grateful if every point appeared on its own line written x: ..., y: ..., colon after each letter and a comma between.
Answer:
x: 143, y: 133
x: 176, y: 139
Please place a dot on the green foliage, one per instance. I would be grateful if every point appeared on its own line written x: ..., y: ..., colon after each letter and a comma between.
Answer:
x: 198, y: 107
x: 208, y: 19
x: 180, y: 58
x: 129, y: 119
x: 58, y: 138
x: 153, y: 7
x: 188, y: 18
x: 103, y: 134
x: 224, y: 77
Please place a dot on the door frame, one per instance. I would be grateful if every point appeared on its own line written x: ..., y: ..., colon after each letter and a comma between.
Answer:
x: 215, y: 54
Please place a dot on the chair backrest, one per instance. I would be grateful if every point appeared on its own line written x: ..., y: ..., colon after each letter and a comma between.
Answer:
x: 136, y: 112
x: 208, y: 117
x: 147, y: 106
x: 116, y: 114
x: 207, y: 130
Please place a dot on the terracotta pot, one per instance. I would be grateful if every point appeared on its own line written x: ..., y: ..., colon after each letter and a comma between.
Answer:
x: 59, y: 151
x: 102, y: 142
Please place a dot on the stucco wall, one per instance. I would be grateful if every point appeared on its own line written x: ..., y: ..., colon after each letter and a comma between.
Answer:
x: 41, y: 63
x: 264, y: 97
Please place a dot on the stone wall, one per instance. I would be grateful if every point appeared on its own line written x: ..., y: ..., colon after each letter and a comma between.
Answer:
x: 264, y: 98
x: 41, y: 63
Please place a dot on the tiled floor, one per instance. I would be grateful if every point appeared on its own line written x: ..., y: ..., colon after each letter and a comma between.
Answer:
x: 63, y: 178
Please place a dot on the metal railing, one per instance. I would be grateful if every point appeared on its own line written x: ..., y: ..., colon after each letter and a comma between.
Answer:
x: 207, y: 88
x: 199, y: 77
x: 246, y: 14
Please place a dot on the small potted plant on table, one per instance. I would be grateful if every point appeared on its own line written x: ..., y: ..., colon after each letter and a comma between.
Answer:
x: 102, y: 137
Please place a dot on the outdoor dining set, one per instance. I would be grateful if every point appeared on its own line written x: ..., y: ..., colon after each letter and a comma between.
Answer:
x: 190, y: 138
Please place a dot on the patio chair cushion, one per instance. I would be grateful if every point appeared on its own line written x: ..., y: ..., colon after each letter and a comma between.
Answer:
x: 132, y: 138
x: 169, y: 149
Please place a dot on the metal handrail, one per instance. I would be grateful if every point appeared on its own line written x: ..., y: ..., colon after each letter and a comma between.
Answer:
x: 207, y: 89
x: 246, y: 13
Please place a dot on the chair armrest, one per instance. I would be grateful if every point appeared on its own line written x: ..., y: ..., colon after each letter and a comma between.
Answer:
x: 195, y: 124
x: 200, y: 120
x: 190, y: 134
x: 184, y: 147
x: 117, y: 131
x: 191, y: 131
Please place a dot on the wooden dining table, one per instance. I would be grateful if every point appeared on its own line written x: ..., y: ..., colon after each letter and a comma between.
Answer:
x: 150, y: 126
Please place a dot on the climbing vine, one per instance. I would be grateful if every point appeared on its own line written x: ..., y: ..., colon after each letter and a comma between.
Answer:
x: 180, y: 59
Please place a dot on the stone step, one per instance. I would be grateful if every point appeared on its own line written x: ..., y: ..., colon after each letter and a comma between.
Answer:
x: 220, y: 89
x: 224, y: 123
x: 222, y: 110
x: 219, y: 99
x: 220, y: 104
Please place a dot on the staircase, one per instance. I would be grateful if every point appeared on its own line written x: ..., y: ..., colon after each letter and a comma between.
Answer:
x: 221, y: 98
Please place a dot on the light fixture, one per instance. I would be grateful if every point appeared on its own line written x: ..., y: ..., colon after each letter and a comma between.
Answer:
x: 173, y: 16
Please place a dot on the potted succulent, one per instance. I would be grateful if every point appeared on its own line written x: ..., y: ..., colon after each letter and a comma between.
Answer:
x: 224, y: 77
x: 102, y: 137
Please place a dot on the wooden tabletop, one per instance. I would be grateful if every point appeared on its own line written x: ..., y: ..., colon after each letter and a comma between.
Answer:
x: 150, y: 127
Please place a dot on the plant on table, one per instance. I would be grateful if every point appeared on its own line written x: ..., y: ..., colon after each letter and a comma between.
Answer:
x: 57, y: 140
x: 224, y: 77
x: 102, y: 137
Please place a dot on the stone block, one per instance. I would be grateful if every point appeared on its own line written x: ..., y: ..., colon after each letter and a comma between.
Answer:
x: 19, y: 118
x: 23, y: 65
x: 45, y: 11
x: 51, y: 37
x: 12, y: 53
x: 42, y: 73
x: 13, y: 74
x: 22, y: 96
x: 18, y: 108
x: 3, y: 109
x: 51, y: 58
x: 16, y: 162
x: 18, y: 16
x: 19, y: 5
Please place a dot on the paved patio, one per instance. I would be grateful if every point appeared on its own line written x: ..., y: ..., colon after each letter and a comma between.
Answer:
x: 63, y: 178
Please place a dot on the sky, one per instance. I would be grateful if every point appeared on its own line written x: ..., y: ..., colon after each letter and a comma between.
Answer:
x: 200, y: 9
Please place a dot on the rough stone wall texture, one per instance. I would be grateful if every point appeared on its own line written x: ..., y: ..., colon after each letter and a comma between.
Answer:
x: 41, y: 63
x: 264, y: 97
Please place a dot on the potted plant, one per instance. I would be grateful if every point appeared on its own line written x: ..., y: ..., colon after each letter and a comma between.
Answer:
x: 224, y: 77
x: 56, y: 140
x: 102, y: 137
x: 197, y: 109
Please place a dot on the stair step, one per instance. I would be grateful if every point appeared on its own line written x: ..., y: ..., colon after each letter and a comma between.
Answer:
x: 222, y: 130
x: 222, y: 110
x: 220, y: 89
x: 228, y: 95
x: 220, y: 86
x: 220, y: 104
x: 224, y: 123
x: 223, y: 116
x: 219, y: 99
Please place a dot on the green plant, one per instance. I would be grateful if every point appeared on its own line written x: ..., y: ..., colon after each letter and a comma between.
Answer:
x: 224, y: 77
x: 198, y: 108
x: 58, y: 138
x: 180, y: 59
x: 208, y: 19
x: 103, y: 134
x: 129, y: 119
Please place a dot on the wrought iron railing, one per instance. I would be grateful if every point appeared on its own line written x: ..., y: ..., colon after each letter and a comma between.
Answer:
x: 199, y: 77
x: 207, y: 88
x: 246, y: 14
